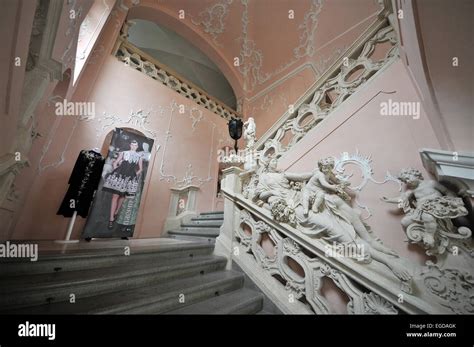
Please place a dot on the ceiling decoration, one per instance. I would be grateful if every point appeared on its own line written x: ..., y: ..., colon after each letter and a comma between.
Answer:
x: 212, y: 19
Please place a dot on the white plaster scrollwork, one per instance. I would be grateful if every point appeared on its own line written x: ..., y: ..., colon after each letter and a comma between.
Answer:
x: 308, y: 27
x: 140, y: 120
x: 252, y: 58
x: 196, y: 116
x: 430, y: 210
x: 212, y: 19
x: 108, y: 121
x: 302, y: 273
x: 363, y: 162
x: 454, y: 287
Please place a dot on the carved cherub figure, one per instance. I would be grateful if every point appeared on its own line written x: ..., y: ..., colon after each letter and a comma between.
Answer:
x: 323, y: 176
x: 336, y: 221
x: 429, y: 207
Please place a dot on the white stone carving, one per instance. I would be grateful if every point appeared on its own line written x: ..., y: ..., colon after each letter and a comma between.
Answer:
x: 307, y: 282
x: 250, y: 133
x: 454, y: 167
x: 429, y: 209
x: 364, y: 163
x: 316, y: 203
x: 452, y: 286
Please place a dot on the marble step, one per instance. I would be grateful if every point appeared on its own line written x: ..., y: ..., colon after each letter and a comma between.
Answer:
x: 230, y: 281
x: 242, y: 301
x: 196, y: 231
x: 149, y: 299
x: 212, y: 213
x: 47, y: 288
x: 210, y: 240
x: 97, y: 258
x: 203, y: 223
x: 209, y: 217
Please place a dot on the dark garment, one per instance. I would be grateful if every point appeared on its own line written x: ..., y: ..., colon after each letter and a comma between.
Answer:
x: 85, y: 178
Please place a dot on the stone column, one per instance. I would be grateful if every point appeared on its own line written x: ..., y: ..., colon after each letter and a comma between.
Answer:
x: 182, y: 206
x: 231, y: 182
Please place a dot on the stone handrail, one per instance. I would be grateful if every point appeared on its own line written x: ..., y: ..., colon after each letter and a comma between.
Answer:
x: 247, y: 225
x: 145, y: 63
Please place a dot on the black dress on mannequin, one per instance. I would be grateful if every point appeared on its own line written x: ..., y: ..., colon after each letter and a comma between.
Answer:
x: 84, y: 180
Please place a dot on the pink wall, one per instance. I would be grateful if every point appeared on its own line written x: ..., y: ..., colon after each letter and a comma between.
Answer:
x: 20, y: 88
x: 433, y: 33
x: 16, y: 18
x: 117, y: 90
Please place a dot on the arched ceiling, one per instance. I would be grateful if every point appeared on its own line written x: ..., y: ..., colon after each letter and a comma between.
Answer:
x: 183, y: 57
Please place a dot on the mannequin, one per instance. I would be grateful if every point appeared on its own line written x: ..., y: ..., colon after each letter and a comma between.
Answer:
x: 83, y: 182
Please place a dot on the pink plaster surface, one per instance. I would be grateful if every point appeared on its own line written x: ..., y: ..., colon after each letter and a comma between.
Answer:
x: 16, y: 19
x: 117, y: 90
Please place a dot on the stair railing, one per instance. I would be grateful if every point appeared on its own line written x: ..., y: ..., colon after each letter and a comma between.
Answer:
x: 290, y: 264
x: 344, y: 77
x: 134, y: 57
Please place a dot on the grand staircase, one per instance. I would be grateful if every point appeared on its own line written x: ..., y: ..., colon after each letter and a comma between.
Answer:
x: 177, y: 277
x: 205, y: 227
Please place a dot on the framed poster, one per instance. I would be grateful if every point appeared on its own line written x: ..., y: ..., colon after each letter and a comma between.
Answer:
x: 117, y: 200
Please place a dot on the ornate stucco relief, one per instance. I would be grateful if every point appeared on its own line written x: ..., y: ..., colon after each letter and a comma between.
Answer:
x: 299, y: 205
x: 195, y: 116
x: 363, y: 163
x: 431, y: 210
x: 306, y: 284
x: 252, y: 58
x: 212, y: 19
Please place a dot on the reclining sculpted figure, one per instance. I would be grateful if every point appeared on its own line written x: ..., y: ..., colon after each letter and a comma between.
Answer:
x: 317, y: 203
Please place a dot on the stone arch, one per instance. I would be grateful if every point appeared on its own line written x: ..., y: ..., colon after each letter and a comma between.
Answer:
x: 153, y: 13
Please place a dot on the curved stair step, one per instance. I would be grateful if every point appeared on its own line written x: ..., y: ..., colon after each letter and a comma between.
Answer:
x: 242, y: 301
x: 47, y: 288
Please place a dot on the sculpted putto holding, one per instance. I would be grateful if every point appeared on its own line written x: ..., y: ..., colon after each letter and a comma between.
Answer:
x: 429, y: 208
